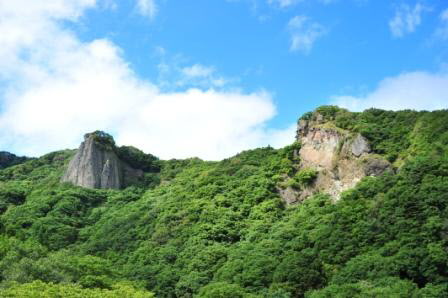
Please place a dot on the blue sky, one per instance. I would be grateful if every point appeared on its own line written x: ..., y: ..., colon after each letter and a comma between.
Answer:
x: 249, y: 42
x: 209, y: 78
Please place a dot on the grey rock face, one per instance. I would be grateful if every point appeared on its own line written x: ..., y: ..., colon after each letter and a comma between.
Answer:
x: 360, y: 146
x: 289, y: 195
x: 376, y: 166
x: 97, y: 166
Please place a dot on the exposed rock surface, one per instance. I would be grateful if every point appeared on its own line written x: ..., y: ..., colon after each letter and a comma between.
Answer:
x: 292, y: 196
x: 341, y: 158
x: 96, y: 165
x: 359, y: 146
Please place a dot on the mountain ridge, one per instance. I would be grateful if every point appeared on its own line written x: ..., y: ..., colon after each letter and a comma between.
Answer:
x: 8, y: 159
x: 205, y: 229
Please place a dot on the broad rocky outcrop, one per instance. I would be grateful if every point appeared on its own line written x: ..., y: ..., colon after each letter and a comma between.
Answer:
x: 96, y: 165
x: 341, y: 158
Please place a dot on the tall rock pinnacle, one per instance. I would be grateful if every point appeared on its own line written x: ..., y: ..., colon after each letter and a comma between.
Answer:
x: 96, y: 164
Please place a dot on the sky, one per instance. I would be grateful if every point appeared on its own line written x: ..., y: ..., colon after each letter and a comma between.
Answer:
x: 209, y: 78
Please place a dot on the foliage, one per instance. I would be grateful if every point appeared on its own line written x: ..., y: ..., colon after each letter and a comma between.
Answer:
x: 220, y: 229
x: 131, y: 155
x: 223, y: 290
x: 389, y: 133
x: 389, y: 287
x: 8, y: 159
x: 305, y: 177
x: 38, y: 289
x: 12, y: 194
x: 138, y: 159
x: 329, y: 112
x: 102, y: 139
x: 392, y: 134
x: 307, y: 116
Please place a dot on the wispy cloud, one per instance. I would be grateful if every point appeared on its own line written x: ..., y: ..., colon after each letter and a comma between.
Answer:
x: 406, y: 19
x: 413, y: 90
x: 289, y: 3
x: 442, y: 30
x: 147, y: 8
x: 304, y: 33
x: 198, y: 70
x: 283, y: 3
x: 176, y: 72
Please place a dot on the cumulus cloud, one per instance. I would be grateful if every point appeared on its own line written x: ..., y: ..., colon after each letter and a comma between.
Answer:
x: 54, y: 88
x: 304, y: 33
x: 406, y: 19
x: 147, y: 8
x: 209, y: 123
x: 412, y: 90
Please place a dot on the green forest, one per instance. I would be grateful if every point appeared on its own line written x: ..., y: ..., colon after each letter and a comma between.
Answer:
x: 197, y: 228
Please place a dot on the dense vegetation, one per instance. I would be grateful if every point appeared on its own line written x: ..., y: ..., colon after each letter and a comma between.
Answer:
x: 130, y: 155
x: 8, y: 159
x: 220, y: 229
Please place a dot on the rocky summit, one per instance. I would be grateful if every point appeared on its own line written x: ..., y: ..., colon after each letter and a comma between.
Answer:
x: 97, y: 165
x: 340, y: 159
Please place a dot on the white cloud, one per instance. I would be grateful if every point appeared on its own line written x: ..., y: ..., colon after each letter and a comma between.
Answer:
x: 198, y: 70
x: 210, y: 124
x: 406, y: 19
x: 289, y: 3
x: 412, y: 90
x: 284, y: 3
x: 202, y: 76
x: 444, y: 15
x: 176, y: 72
x: 278, y: 138
x: 304, y: 33
x: 442, y: 30
x: 147, y: 8
x: 55, y: 88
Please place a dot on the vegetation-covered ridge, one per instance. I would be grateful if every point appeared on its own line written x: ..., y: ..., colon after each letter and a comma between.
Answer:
x: 8, y: 159
x: 220, y: 229
x: 396, y: 135
x: 129, y: 154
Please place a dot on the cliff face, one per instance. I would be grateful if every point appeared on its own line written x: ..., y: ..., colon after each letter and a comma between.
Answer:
x: 96, y: 165
x: 341, y: 159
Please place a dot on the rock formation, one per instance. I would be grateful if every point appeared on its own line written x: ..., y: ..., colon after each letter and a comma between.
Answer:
x: 342, y: 159
x: 96, y: 165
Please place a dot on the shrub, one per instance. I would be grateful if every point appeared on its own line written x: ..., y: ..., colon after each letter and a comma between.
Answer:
x: 305, y: 177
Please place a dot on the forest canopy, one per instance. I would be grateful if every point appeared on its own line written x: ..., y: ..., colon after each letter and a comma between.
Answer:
x: 220, y: 229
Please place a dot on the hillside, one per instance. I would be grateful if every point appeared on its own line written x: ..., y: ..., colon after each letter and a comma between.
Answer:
x: 8, y: 159
x: 264, y: 223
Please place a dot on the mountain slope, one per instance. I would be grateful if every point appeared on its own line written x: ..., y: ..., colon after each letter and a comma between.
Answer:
x: 8, y: 159
x: 221, y: 229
